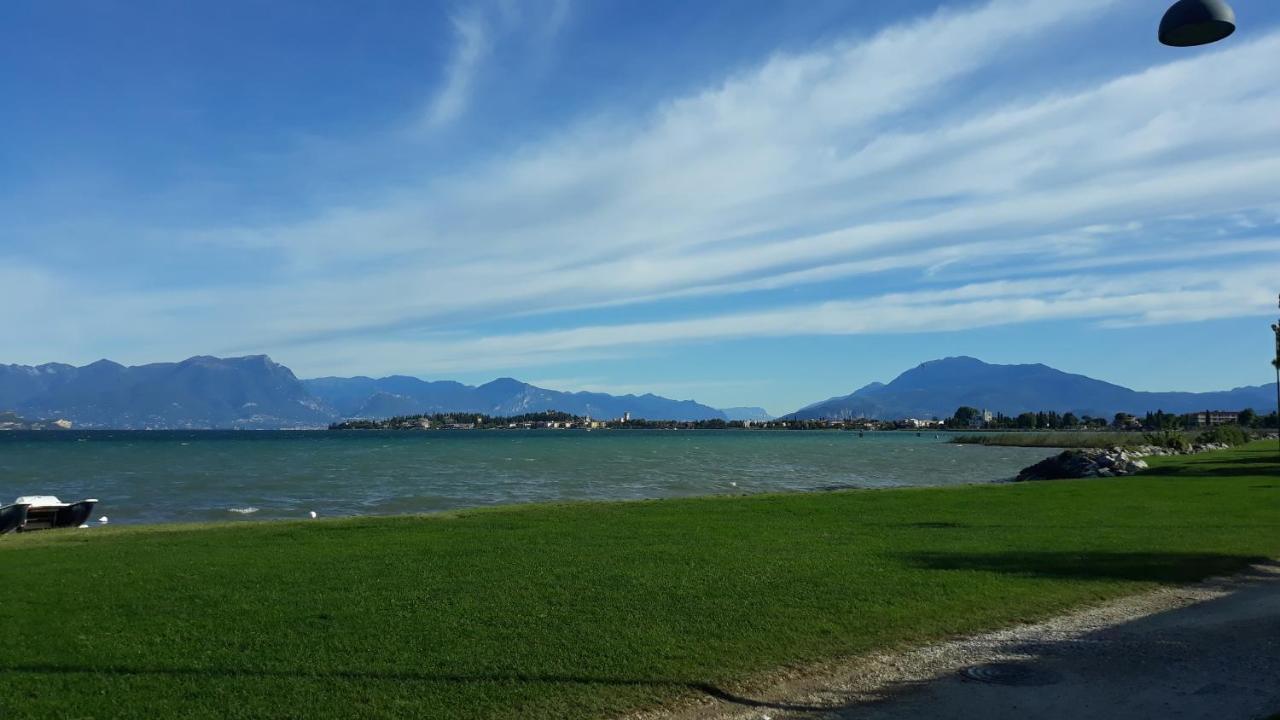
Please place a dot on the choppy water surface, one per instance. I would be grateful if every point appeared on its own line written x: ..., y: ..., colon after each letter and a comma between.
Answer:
x: 147, y: 477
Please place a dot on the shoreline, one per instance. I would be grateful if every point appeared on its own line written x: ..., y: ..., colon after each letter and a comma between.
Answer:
x: 531, y: 506
x: 149, y: 478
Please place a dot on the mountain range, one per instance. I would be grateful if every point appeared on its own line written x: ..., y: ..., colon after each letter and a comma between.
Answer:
x: 938, y: 387
x: 255, y: 392
x: 200, y: 392
x: 362, y: 397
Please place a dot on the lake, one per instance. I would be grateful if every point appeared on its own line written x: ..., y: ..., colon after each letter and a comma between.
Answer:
x: 182, y: 476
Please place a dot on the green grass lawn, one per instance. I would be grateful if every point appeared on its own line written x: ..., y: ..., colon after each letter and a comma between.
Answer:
x: 586, y: 610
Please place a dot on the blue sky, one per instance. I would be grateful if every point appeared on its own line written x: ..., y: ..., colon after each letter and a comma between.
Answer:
x: 745, y: 203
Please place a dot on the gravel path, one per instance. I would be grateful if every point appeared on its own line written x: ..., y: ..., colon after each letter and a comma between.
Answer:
x: 1210, y: 650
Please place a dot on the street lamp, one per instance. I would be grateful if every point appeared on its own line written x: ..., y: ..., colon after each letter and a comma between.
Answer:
x: 1197, y: 22
x: 1276, y: 362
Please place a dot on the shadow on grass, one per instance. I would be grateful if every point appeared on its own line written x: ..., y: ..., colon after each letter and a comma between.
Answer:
x: 1136, y: 566
x: 423, y: 677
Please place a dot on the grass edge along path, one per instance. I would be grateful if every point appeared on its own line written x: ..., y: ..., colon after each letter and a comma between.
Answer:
x: 592, y: 609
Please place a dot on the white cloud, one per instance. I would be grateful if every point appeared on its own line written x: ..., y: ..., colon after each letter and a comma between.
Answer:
x: 1145, y: 298
x: 473, y: 45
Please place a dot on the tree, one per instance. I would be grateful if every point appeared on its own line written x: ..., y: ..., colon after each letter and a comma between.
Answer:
x: 965, y: 416
x: 1069, y: 420
x: 1247, y: 418
x: 1027, y: 420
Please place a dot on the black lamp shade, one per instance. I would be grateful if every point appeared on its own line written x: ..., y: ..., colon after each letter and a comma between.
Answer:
x: 1197, y: 22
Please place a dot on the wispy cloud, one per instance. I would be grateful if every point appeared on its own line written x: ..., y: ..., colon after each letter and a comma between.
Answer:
x: 471, y: 35
x: 1145, y: 298
x: 477, y: 29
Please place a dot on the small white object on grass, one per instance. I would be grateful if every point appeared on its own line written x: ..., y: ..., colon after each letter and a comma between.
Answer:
x: 103, y: 520
x: 313, y: 514
x: 81, y: 527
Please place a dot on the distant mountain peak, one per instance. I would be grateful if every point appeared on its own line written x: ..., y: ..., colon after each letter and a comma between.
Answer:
x: 753, y: 414
x: 938, y: 387
x: 505, y: 383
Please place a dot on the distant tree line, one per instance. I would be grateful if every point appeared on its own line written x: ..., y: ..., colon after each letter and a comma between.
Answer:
x: 448, y: 420
x: 966, y: 417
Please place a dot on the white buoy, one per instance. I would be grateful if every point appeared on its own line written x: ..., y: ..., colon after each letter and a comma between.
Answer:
x: 103, y: 520
x: 313, y: 514
x: 733, y: 484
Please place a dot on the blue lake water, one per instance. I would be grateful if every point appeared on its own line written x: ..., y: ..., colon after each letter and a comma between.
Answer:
x: 149, y: 477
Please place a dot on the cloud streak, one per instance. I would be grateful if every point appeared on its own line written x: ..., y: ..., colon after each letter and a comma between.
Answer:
x: 473, y: 45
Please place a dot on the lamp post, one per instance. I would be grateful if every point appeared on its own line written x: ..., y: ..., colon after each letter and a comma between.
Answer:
x: 1196, y: 22
x: 1276, y: 328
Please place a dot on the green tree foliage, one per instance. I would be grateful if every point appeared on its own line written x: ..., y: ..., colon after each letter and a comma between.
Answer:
x: 1172, y: 439
x: 1229, y: 434
x: 1123, y: 421
x: 964, y: 416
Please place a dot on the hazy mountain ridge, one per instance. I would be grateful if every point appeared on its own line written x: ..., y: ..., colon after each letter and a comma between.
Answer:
x: 936, y: 388
x: 255, y: 392
x: 199, y: 392
x: 400, y: 395
x: 752, y: 414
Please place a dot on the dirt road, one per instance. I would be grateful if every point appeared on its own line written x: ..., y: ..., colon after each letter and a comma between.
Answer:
x: 1210, y: 650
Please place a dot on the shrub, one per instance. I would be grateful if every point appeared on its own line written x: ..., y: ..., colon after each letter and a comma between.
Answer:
x: 1171, y: 439
x: 1229, y: 434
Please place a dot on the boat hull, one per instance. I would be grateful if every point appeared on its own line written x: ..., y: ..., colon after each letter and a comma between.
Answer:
x: 12, y: 517
x: 75, y: 514
x: 47, y: 517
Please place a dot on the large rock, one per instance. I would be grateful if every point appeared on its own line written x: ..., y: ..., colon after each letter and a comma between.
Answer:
x: 1085, y: 463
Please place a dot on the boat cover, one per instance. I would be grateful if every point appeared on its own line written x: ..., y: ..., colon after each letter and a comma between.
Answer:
x: 40, y: 501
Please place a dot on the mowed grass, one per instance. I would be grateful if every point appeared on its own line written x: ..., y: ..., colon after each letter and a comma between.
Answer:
x: 586, y: 610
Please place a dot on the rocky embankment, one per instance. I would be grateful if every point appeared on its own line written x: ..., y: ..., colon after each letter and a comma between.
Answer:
x: 1104, y: 462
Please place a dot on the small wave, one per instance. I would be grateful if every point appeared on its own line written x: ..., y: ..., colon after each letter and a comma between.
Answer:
x: 243, y: 510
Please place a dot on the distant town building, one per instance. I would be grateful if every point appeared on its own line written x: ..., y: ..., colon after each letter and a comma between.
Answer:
x: 1209, y: 418
x: 626, y: 417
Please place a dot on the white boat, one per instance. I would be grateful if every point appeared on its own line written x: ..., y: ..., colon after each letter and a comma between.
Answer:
x: 44, y: 512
